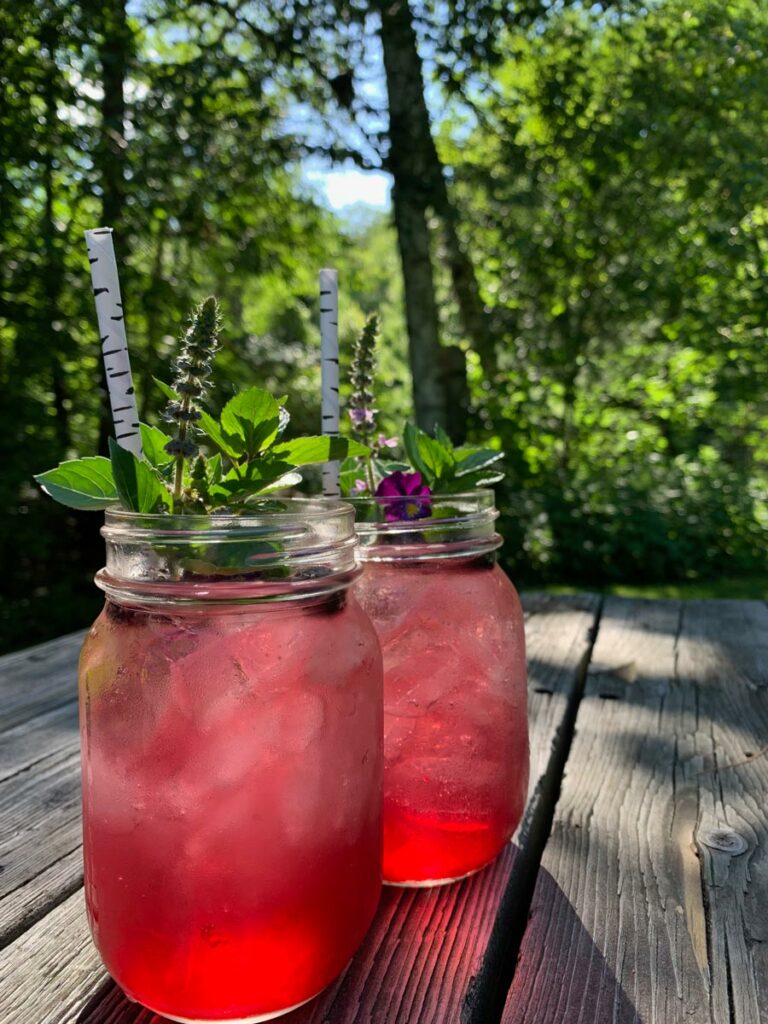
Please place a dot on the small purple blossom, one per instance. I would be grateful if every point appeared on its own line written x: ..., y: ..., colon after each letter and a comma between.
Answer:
x: 382, y: 441
x: 358, y: 487
x: 405, y: 489
x: 361, y: 417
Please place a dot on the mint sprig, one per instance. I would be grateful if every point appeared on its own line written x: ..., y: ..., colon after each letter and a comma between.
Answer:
x: 446, y: 469
x: 250, y: 458
x: 81, y: 483
x: 443, y: 468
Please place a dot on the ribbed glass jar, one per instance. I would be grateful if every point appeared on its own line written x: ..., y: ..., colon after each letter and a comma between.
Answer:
x: 232, y: 759
x: 450, y: 626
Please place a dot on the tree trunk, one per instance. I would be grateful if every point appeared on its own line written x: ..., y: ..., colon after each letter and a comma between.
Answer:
x: 408, y: 162
x: 114, y: 50
x: 114, y: 47
x: 457, y: 392
x: 414, y: 159
x: 425, y: 353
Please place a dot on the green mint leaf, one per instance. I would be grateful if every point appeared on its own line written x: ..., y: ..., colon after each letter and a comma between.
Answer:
x: 427, y: 455
x: 411, y: 445
x: 251, y: 421
x: 207, y: 424
x: 304, y: 451
x: 153, y: 442
x: 467, y: 482
x: 167, y: 390
x: 215, y: 432
x: 138, y: 486
x: 384, y: 467
x: 472, y: 459
x: 81, y: 483
x: 287, y: 480
x: 215, y: 469
x: 243, y: 481
x: 442, y: 438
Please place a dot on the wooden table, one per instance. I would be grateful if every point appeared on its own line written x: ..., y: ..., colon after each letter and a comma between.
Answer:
x: 636, y: 888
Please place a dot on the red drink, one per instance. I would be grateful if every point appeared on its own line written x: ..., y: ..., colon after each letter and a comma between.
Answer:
x: 455, y: 704
x: 232, y: 780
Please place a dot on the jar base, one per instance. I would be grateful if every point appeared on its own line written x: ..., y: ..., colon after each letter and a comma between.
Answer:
x: 235, y: 1020
x: 433, y: 883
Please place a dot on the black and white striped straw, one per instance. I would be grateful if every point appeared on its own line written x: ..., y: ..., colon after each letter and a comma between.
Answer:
x: 329, y: 371
x: 114, y: 341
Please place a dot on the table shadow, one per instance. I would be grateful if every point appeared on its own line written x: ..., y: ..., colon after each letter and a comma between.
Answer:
x: 561, y: 976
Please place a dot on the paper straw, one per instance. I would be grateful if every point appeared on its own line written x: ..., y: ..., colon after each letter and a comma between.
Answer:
x: 114, y: 343
x: 329, y: 371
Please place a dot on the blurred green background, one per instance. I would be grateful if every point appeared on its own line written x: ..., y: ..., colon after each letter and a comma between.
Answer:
x: 579, y: 213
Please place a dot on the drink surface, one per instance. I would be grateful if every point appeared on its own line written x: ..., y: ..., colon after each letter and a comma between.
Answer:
x: 455, y: 713
x: 231, y: 792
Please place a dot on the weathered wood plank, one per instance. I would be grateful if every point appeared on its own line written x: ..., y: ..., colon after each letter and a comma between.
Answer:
x: 39, y: 825
x: 38, y: 679
x: 48, y: 973
x: 50, y: 732
x: 29, y: 902
x: 650, y: 903
x: 427, y: 948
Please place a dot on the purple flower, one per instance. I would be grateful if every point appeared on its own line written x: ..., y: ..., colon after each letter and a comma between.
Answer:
x: 360, y: 417
x: 382, y: 441
x: 406, y: 489
x: 358, y: 487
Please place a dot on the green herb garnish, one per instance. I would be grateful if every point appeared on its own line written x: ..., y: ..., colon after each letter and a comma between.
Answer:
x: 441, y: 467
x: 248, y: 458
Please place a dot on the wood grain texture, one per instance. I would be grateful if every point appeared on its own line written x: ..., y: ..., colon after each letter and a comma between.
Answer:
x: 426, y: 951
x: 50, y: 732
x: 49, y: 972
x: 40, y: 861
x: 28, y: 903
x: 38, y: 679
x: 648, y: 902
x: 39, y: 825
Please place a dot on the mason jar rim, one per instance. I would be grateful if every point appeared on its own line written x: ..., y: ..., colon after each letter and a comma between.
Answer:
x: 317, y: 507
x: 293, y: 548
x: 468, y: 531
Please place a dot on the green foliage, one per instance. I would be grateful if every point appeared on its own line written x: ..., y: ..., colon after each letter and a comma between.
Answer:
x: 81, y: 483
x: 614, y: 205
x: 446, y: 469
x: 139, y: 488
x: 250, y: 423
x: 154, y: 443
x: 246, y: 434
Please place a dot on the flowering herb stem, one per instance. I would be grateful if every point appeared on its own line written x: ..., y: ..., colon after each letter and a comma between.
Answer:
x: 371, y: 480
x: 249, y: 458
x: 361, y: 409
x: 178, y: 471
x: 191, y: 371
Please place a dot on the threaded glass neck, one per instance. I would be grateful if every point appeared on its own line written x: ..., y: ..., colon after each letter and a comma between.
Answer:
x: 419, y: 528
x: 281, y: 549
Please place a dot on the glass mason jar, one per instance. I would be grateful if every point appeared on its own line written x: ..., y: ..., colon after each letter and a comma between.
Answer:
x: 232, y: 759
x: 455, y: 698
